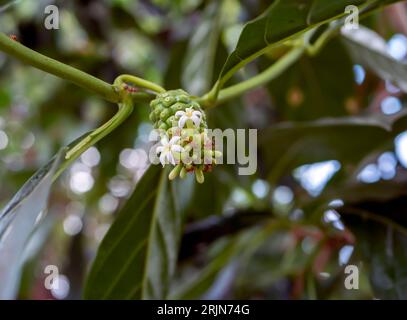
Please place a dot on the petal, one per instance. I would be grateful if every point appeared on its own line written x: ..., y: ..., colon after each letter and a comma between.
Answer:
x: 181, y: 122
x: 177, y: 148
x: 174, y: 140
x: 159, y: 149
x: 197, y: 114
x: 180, y: 113
x: 171, y: 159
x: 196, y: 121
x: 162, y: 159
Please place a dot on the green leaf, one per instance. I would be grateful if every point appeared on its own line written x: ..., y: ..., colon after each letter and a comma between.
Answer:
x: 308, y: 91
x: 223, y: 252
x: 381, y: 243
x: 17, y: 222
x: 348, y: 140
x: 199, y: 60
x: 283, y: 20
x: 137, y: 257
x: 370, y: 50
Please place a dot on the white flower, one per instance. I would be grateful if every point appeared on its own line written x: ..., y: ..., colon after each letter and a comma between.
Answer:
x: 189, y: 114
x: 167, y: 150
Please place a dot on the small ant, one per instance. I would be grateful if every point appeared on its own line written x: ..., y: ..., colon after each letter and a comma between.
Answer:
x: 130, y: 88
x: 13, y: 37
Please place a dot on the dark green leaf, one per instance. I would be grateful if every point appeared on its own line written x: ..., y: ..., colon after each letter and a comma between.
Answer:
x: 137, y: 258
x: 281, y: 21
x: 348, y: 140
x: 308, y: 91
x: 199, y: 60
x: 381, y: 243
x: 224, y: 252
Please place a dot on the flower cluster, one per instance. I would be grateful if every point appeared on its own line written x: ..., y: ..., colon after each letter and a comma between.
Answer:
x: 184, y: 140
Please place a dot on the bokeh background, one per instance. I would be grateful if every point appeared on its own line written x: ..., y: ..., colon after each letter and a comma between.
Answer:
x: 303, y: 246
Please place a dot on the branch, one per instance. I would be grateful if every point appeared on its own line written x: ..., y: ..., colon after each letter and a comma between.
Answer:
x: 58, y: 69
x: 266, y: 76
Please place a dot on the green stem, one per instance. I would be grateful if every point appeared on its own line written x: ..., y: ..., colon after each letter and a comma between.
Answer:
x: 77, y: 148
x: 315, y: 48
x: 138, y: 82
x: 269, y: 74
x: 37, y: 60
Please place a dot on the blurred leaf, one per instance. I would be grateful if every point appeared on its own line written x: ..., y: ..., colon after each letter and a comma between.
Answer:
x: 137, y: 257
x: 18, y: 220
x: 199, y: 60
x: 370, y: 50
x: 354, y: 191
x: 382, y: 245
x: 283, y: 20
x: 5, y: 98
x: 32, y: 255
x: 224, y: 252
x: 173, y: 73
x: 348, y: 140
x: 308, y: 91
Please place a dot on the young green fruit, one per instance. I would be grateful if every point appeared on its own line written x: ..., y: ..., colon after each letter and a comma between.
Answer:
x: 182, y: 126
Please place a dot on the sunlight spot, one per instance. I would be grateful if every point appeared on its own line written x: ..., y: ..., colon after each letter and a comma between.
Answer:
x: 331, y: 216
x: 401, y: 148
x: 61, y: 290
x: 28, y: 141
x: 345, y: 254
x: 81, y: 182
x: 3, y: 140
x: 283, y: 195
x: 338, y: 225
x: 387, y: 164
x: 369, y: 174
x: 390, y: 105
x: 108, y: 204
x: 91, y: 157
x: 120, y: 187
x: 392, y: 88
x: 314, y: 177
x: 336, y: 203
x: 360, y: 73
x: 397, y: 46
x: 239, y: 197
x: 133, y: 158
x: 324, y: 275
x: 72, y: 225
x: 260, y: 188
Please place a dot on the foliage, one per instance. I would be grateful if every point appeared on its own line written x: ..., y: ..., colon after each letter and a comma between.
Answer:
x: 330, y: 185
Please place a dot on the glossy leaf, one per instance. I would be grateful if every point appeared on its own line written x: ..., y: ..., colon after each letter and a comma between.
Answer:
x: 199, y: 60
x: 289, y: 145
x: 283, y: 20
x: 137, y: 257
x: 224, y: 252
x: 370, y: 50
x: 17, y: 222
x: 381, y: 234
x: 308, y: 91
